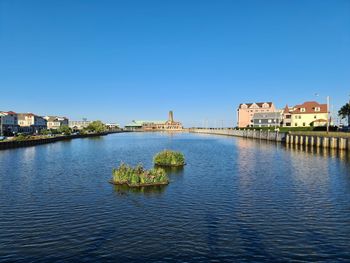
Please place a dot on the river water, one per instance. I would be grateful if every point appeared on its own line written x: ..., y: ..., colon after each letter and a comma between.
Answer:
x: 235, y: 200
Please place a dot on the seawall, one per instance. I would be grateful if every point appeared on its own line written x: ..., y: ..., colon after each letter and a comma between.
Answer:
x: 338, y: 141
x: 254, y: 134
x: 26, y: 143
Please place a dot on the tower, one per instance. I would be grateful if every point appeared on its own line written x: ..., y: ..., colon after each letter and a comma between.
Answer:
x: 171, y: 116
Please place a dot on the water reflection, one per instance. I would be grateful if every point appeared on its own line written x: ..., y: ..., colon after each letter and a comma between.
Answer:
x: 172, y: 170
x: 155, y: 190
x: 318, y: 151
x: 236, y: 200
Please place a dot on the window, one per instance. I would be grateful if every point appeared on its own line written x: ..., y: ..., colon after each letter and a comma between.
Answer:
x: 303, y: 123
x: 315, y: 117
x: 296, y: 124
x: 299, y: 117
x: 302, y: 109
x: 317, y: 108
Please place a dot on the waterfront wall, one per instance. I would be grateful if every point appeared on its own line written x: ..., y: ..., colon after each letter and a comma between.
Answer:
x: 337, y: 141
x: 254, y: 134
x: 26, y: 143
x: 325, y: 142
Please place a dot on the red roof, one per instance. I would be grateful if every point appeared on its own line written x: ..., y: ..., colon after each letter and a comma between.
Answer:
x: 310, y: 107
x: 28, y: 114
x: 257, y: 103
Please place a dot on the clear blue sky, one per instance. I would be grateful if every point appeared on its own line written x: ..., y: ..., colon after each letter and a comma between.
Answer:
x: 127, y: 59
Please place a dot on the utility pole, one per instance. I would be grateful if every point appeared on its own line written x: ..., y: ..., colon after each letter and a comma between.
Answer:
x: 327, y: 114
x: 349, y: 113
x: 1, y: 131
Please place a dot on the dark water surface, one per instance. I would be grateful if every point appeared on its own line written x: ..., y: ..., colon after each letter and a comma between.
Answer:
x: 236, y: 200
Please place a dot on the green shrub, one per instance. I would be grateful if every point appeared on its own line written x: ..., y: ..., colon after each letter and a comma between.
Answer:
x: 96, y: 126
x: 22, y: 137
x: 169, y: 158
x: 138, y: 176
x: 65, y: 130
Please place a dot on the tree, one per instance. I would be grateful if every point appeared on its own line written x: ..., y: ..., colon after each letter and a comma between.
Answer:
x: 96, y: 126
x: 45, y: 132
x: 65, y: 130
x: 344, y: 112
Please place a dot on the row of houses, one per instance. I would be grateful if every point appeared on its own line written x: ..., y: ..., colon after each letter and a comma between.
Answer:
x: 265, y: 114
x: 12, y: 123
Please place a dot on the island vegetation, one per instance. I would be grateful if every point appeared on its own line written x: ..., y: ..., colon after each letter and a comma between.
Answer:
x: 169, y: 158
x: 139, y: 176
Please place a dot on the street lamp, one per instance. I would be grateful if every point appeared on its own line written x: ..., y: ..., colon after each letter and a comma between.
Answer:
x: 348, y: 113
x: 328, y: 113
x: 1, y: 131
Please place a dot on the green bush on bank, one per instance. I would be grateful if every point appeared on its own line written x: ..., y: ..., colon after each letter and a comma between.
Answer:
x: 96, y: 126
x: 169, y: 158
x: 22, y: 137
x: 138, y: 176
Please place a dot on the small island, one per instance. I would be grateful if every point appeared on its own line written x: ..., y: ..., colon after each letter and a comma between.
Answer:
x: 169, y: 158
x: 138, y: 176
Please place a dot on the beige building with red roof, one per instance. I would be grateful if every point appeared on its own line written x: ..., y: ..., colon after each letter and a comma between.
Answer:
x: 31, y: 123
x: 308, y: 114
x: 8, y: 123
x: 246, y: 111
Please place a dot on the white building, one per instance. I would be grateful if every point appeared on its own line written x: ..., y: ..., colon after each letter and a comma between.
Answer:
x: 8, y: 123
x: 78, y: 125
x: 112, y: 126
x: 56, y: 122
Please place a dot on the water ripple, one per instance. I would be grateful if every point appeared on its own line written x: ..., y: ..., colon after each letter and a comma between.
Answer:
x: 236, y: 200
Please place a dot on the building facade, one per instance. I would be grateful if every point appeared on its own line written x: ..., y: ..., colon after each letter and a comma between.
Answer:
x: 8, y: 123
x: 112, y: 126
x: 55, y: 122
x: 267, y: 119
x: 31, y: 123
x: 308, y: 114
x: 169, y: 125
x: 246, y: 111
x: 287, y: 116
x: 78, y: 125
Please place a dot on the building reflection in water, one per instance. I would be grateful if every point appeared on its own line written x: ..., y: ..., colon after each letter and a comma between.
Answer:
x: 278, y: 186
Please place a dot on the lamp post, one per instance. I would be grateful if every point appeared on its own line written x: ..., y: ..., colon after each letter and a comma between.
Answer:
x: 1, y: 131
x: 328, y: 114
x: 349, y: 113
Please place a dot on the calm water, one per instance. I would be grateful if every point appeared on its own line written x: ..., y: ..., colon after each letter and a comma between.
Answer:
x: 236, y: 200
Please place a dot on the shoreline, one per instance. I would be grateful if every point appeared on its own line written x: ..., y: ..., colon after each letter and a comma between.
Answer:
x: 332, y: 140
x: 27, y: 143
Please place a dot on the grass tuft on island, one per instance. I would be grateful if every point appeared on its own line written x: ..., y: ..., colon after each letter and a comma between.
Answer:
x: 169, y: 158
x: 138, y: 176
